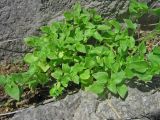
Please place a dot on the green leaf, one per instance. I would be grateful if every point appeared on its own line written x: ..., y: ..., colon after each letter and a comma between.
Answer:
x: 130, y: 24
x: 64, y: 80
x: 56, y: 90
x: 85, y: 74
x: 156, y: 50
x: 30, y: 58
x: 77, y: 9
x: 145, y: 77
x: 90, y: 62
x: 109, y: 59
x: 112, y: 87
x: 97, y: 36
x: 101, y: 77
x: 97, y: 50
x: 129, y: 74
x: 75, y: 78
x: 57, y: 74
x: 122, y: 90
x: 90, y: 25
x: 142, y: 48
x: 116, y: 25
x: 43, y: 66
x: 12, y: 90
x: 81, y: 48
x: 65, y: 68
x: 118, y: 77
x: 78, y: 35
x: 77, y: 68
x: 89, y: 32
x: 68, y: 15
x: 32, y: 41
x: 96, y: 87
x: 140, y: 66
x: 45, y: 29
x: 103, y: 27
x: 155, y: 59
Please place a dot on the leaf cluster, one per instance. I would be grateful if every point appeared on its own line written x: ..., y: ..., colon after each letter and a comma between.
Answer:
x: 100, y: 55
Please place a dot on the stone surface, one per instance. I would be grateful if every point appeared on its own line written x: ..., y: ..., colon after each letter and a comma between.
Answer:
x: 140, y: 104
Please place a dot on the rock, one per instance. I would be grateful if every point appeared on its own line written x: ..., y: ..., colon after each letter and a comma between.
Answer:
x: 140, y: 104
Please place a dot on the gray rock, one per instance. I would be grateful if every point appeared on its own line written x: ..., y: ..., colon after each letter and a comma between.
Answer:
x: 87, y: 106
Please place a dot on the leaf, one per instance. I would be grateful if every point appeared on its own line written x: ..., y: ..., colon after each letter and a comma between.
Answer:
x: 32, y: 41
x: 109, y: 59
x: 155, y: 59
x: 77, y: 9
x: 97, y: 36
x: 156, y: 50
x: 140, y: 66
x: 130, y: 24
x: 78, y: 35
x: 103, y: 27
x: 122, y: 90
x: 96, y: 50
x: 57, y: 74
x: 145, y: 77
x: 90, y: 62
x: 56, y: 90
x: 30, y: 58
x: 77, y: 68
x: 89, y: 32
x: 43, y: 66
x: 131, y: 42
x: 112, y: 87
x: 123, y: 45
x: 116, y: 25
x: 64, y: 80
x: 96, y: 87
x: 90, y: 25
x: 129, y: 74
x: 118, y: 77
x: 68, y: 15
x: 99, y: 61
x: 142, y: 47
x: 85, y: 74
x: 101, y: 77
x: 45, y: 29
x: 65, y: 68
x: 75, y: 78
x: 12, y: 90
x: 81, y: 48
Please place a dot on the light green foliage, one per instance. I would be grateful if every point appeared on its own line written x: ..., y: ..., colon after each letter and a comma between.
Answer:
x: 85, y: 49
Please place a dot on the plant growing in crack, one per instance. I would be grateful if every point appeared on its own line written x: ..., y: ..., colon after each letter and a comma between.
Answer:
x: 100, y: 55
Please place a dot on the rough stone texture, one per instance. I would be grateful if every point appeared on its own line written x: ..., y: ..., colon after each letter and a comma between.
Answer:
x: 20, y: 18
x: 86, y: 106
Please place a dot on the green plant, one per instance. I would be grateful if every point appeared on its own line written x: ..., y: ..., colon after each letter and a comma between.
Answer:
x: 100, y: 55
